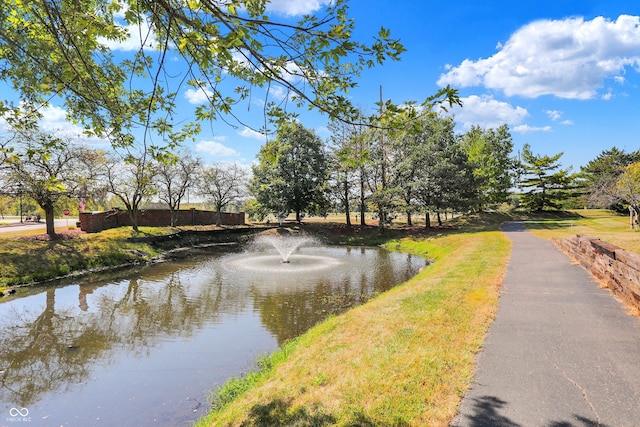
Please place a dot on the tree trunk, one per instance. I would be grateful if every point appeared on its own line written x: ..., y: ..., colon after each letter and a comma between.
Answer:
x: 346, y: 203
x: 409, y: 218
x: 439, y: 219
x: 174, y: 216
x: 50, y: 221
x: 298, y: 217
x: 362, y: 199
x: 427, y: 220
x: 133, y: 216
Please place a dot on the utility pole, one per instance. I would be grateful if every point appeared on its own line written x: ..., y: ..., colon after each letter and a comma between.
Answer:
x: 383, y: 155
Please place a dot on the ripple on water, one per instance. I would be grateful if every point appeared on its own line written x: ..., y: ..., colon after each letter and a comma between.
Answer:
x: 274, y: 264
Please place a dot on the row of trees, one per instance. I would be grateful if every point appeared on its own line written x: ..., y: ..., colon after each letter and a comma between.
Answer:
x: 47, y: 169
x: 228, y: 52
x: 413, y: 164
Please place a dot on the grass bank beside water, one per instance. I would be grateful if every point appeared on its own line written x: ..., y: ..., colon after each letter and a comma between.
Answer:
x: 24, y: 260
x: 403, y: 359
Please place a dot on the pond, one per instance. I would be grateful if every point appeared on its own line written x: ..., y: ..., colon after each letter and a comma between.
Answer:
x: 148, y: 349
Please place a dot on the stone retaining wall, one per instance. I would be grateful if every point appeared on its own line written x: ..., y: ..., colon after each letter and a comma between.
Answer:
x: 93, y: 222
x: 616, y: 268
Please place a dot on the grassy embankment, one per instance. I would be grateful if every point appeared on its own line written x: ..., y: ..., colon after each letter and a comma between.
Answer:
x: 23, y: 260
x: 404, y: 358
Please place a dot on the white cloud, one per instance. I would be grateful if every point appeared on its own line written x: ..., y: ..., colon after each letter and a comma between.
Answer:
x: 250, y: 133
x: 529, y: 129
x: 486, y: 112
x: 568, y: 58
x: 137, y: 36
x: 216, y: 148
x: 566, y: 122
x: 54, y: 121
x: 607, y: 96
x: 554, y: 114
x: 296, y: 7
x: 198, y: 96
x: 277, y: 92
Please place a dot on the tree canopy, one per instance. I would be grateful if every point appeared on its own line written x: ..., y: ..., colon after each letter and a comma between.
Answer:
x: 292, y: 172
x: 490, y: 152
x: 45, y: 176
x: 600, y: 175
x: 545, y: 182
x: 69, y: 50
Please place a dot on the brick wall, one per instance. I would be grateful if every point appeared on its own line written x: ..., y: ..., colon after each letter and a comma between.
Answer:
x: 617, y: 268
x: 93, y: 222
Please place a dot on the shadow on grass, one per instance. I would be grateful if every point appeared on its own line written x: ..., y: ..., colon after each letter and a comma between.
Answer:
x: 279, y: 413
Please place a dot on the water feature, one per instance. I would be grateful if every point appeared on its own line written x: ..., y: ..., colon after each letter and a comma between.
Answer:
x: 147, y: 349
x: 284, y: 244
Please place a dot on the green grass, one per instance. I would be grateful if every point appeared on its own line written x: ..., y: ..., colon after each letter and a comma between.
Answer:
x: 24, y: 261
x: 404, y: 358
x: 602, y: 224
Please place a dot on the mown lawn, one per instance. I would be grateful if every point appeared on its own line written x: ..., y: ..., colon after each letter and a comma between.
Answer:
x: 602, y: 224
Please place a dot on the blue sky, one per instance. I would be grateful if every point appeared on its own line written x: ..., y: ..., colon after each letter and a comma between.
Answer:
x: 564, y: 74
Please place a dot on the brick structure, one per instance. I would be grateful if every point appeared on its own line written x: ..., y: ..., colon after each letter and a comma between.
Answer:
x: 93, y: 222
x: 616, y: 268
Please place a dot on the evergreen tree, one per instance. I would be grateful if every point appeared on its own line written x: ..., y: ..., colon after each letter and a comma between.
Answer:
x: 544, y: 182
x: 599, y: 177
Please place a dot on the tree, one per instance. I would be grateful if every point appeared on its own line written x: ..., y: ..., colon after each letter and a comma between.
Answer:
x: 445, y: 179
x: 5, y: 203
x: 174, y: 178
x: 46, y: 169
x: 490, y: 152
x: 545, y: 181
x: 229, y: 50
x: 291, y: 174
x: 600, y: 176
x: 222, y: 185
x: 129, y: 177
x: 350, y: 158
x: 409, y: 148
x: 628, y: 189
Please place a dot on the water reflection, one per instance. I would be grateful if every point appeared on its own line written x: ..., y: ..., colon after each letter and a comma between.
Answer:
x: 147, y: 349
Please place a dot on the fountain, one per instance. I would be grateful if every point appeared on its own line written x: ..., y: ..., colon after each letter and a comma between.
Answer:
x: 284, y: 253
x: 284, y: 244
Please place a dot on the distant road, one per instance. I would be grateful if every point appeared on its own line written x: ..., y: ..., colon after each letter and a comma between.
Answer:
x: 15, y: 226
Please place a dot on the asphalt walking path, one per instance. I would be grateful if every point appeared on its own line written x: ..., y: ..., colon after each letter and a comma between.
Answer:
x: 561, y: 352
